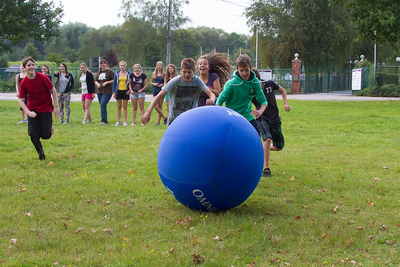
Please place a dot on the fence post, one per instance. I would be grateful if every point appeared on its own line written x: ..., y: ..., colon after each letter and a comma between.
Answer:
x: 329, y: 75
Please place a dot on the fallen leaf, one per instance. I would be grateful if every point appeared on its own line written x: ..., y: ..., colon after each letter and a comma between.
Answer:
x: 335, y: 209
x: 389, y: 242
x: 29, y: 214
x: 274, y: 260
x: 50, y: 163
x: 341, y: 203
x: 269, y: 212
x: 320, y: 191
x: 324, y: 235
x: 93, y: 230
x: 292, y: 178
x: 79, y: 230
x: 126, y: 226
x: 107, y: 230
x: 13, y: 241
x: 55, y: 263
x: 377, y: 179
x: 371, y: 203
x: 304, y: 207
x: 217, y: 238
x: 298, y: 218
x: 360, y: 228
x: 382, y: 227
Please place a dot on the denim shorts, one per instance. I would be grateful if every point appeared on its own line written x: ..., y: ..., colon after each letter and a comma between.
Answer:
x: 137, y: 95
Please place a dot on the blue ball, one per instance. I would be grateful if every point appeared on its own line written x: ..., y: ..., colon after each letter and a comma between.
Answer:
x: 210, y: 158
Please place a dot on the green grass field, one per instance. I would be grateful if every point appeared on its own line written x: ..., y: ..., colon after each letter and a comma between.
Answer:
x: 97, y: 200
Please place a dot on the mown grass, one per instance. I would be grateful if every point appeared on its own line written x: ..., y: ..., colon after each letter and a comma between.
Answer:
x: 106, y: 178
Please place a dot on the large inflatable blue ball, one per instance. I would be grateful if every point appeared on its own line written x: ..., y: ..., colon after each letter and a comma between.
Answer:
x: 210, y: 158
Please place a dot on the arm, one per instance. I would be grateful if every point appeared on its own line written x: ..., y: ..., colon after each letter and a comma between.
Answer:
x: 54, y: 95
x: 146, y: 116
x: 152, y: 80
x: 224, y: 95
x: 261, y: 99
x: 17, y: 84
x: 216, y: 87
x: 211, y: 96
x: 25, y: 108
x: 115, y: 89
x: 144, y: 87
x: 284, y: 98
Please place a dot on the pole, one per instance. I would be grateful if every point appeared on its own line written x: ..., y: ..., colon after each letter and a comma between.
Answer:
x: 256, y: 49
x: 375, y: 61
x: 168, y: 61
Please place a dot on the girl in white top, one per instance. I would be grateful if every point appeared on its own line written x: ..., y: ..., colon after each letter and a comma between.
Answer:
x: 18, y: 78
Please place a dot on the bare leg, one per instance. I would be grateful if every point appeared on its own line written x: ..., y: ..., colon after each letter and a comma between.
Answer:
x: 119, y: 105
x: 125, y: 106
x: 88, y: 103
x: 141, y: 106
x: 134, y: 107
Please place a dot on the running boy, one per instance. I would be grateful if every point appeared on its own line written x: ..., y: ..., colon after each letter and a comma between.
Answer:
x: 39, y: 106
x: 239, y: 92
x: 184, y: 91
x: 270, y: 121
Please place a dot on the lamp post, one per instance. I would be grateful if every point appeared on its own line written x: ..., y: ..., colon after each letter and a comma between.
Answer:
x: 398, y: 69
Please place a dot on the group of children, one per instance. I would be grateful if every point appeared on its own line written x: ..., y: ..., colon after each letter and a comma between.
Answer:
x: 181, y: 92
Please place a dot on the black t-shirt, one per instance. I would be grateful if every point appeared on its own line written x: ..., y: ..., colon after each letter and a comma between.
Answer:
x: 137, y: 82
x: 271, y: 113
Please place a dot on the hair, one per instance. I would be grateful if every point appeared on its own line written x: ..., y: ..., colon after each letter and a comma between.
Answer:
x: 83, y: 64
x: 47, y: 67
x: 188, y: 63
x: 168, y: 75
x: 243, y: 61
x: 138, y: 65
x: 66, y: 69
x: 25, y: 61
x: 122, y: 62
x: 257, y: 74
x: 219, y: 64
x: 103, y: 60
x: 154, y: 74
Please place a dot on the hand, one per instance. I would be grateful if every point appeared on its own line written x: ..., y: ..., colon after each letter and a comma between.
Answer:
x: 209, y: 102
x: 32, y: 114
x: 55, y: 72
x: 98, y: 85
x: 56, y: 112
x: 114, y: 96
x: 286, y: 107
x: 93, y: 95
x: 145, y: 118
x: 103, y: 84
x: 18, y: 95
x: 155, y: 84
x: 256, y: 113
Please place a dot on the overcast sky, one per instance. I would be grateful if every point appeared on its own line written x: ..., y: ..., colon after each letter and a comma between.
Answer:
x: 221, y: 14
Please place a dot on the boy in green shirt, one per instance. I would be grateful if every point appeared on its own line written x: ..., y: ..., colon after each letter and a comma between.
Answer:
x: 239, y: 92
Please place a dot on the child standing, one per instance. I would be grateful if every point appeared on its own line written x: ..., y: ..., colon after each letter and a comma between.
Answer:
x: 239, y: 92
x: 157, y: 80
x: 121, y: 91
x: 137, y: 87
x: 184, y: 91
x: 40, y: 104
x: 270, y: 121
x: 65, y: 82
x: 171, y: 73
x: 18, y: 78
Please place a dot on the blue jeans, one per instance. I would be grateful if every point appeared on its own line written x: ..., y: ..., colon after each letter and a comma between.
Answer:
x: 103, y: 100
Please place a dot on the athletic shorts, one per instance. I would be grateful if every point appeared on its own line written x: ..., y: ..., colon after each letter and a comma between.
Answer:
x: 166, y: 97
x: 137, y: 95
x: 40, y: 125
x: 87, y: 96
x: 273, y: 130
x: 122, y: 94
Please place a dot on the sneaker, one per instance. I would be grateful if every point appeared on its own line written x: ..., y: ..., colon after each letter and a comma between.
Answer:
x: 61, y: 121
x: 266, y: 172
x: 84, y: 122
x: 103, y: 123
x: 165, y: 121
x: 26, y: 120
x: 67, y: 121
x: 157, y: 123
x: 118, y: 124
x: 125, y: 124
x: 42, y: 156
x: 22, y: 121
x: 133, y: 124
x: 142, y: 124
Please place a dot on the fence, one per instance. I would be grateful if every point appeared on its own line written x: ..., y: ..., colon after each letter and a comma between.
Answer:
x: 313, y: 80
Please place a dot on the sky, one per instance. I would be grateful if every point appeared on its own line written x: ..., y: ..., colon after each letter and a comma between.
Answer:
x: 220, y: 14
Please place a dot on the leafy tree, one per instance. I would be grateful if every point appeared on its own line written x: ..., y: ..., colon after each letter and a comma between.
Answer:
x: 56, y: 59
x: 3, y: 62
x: 308, y: 27
x: 377, y: 20
x: 21, y: 20
x: 111, y: 57
x: 70, y: 55
x: 31, y: 51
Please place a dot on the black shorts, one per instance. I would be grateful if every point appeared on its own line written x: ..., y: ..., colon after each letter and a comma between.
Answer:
x: 273, y: 130
x: 40, y: 126
x: 156, y: 90
x: 255, y: 125
x: 122, y: 94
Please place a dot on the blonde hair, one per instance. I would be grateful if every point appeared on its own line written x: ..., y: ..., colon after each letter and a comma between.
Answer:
x: 154, y: 74
x: 137, y: 65
x: 122, y: 62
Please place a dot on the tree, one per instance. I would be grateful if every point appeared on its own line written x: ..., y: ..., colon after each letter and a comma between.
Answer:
x: 30, y: 51
x: 378, y: 20
x: 24, y: 19
x: 70, y: 55
x: 3, y: 62
x: 56, y: 59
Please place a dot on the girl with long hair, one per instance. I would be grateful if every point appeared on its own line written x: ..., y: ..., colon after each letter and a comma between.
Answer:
x: 157, y: 80
x: 170, y: 73
x: 64, y: 85
x: 137, y: 86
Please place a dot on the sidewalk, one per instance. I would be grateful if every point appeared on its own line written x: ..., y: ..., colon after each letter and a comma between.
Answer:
x: 305, y: 97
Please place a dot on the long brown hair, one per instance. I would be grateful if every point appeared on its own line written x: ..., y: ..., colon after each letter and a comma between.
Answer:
x: 168, y: 75
x: 66, y: 69
x: 219, y: 64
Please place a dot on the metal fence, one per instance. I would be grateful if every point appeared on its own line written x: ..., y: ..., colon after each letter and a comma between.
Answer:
x: 313, y: 80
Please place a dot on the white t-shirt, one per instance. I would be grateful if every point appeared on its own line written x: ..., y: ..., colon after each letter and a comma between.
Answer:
x: 83, y: 85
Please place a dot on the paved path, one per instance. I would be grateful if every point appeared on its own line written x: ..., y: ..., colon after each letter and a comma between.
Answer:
x: 342, y: 96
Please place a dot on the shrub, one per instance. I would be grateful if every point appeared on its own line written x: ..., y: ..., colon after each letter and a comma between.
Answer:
x: 387, y: 90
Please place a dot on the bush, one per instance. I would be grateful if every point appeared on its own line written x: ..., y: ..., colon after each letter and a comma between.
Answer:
x: 3, y: 62
x: 387, y: 90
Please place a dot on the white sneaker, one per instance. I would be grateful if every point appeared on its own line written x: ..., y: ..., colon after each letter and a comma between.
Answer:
x: 118, y: 124
x: 125, y: 124
x: 84, y: 122
x: 133, y: 124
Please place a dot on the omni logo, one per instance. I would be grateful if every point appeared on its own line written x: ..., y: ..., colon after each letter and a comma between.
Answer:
x: 200, y: 197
